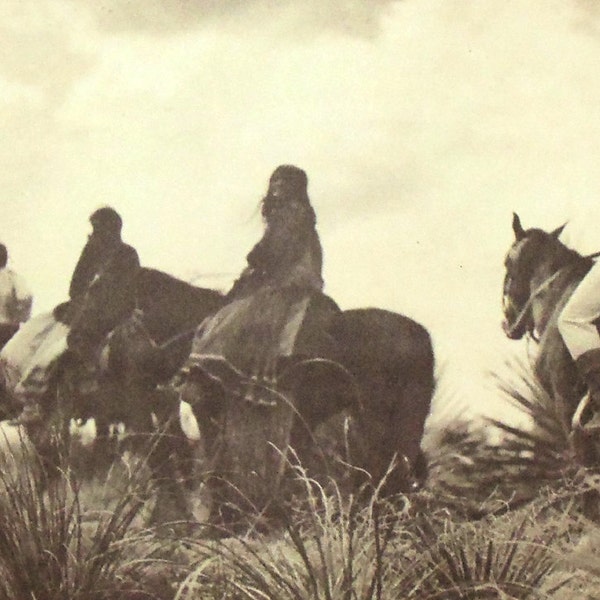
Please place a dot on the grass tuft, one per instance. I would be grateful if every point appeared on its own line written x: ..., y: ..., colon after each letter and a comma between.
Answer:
x: 52, y: 546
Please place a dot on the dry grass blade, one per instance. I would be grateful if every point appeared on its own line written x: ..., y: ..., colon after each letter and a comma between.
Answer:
x: 49, y: 548
x: 333, y: 549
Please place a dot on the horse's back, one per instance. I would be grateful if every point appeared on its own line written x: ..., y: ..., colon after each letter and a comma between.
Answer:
x: 384, y: 343
x: 156, y: 288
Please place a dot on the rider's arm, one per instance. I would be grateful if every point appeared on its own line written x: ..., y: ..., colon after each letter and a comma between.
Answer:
x: 113, y: 289
x: 284, y: 239
x: 83, y: 273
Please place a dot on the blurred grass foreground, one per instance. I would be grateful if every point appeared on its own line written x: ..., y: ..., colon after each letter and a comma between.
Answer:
x: 500, y: 517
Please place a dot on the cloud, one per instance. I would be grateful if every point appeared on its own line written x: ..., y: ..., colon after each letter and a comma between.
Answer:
x: 45, y: 45
x: 164, y: 17
x: 588, y: 19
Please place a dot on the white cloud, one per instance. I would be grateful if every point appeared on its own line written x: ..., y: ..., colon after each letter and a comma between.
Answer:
x: 305, y: 17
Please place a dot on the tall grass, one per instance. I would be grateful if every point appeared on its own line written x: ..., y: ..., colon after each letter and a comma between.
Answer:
x: 329, y: 545
x: 331, y: 548
x: 499, y: 519
x: 51, y: 547
x: 334, y: 548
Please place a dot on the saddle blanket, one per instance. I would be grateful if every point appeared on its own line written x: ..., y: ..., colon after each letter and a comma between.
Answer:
x: 29, y: 358
x: 249, y: 337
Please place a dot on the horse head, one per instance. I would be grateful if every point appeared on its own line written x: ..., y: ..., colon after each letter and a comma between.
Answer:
x: 534, y: 260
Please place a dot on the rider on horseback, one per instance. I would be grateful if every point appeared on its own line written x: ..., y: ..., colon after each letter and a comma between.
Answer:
x: 276, y: 308
x: 15, y: 299
x: 101, y: 295
x: 289, y: 251
x: 577, y: 324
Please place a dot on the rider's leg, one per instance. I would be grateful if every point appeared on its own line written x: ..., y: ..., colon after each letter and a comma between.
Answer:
x: 577, y: 325
x: 83, y: 382
x: 30, y: 392
x: 31, y: 413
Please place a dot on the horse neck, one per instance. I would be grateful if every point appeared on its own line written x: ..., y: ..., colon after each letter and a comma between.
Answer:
x: 172, y: 306
x: 552, y: 284
x: 167, y: 321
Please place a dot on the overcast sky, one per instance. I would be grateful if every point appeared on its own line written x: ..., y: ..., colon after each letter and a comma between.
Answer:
x: 422, y: 124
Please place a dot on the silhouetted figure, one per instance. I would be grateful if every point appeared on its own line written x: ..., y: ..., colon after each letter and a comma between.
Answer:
x: 276, y: 308
x: 101, y: 295
x: 289, y: 252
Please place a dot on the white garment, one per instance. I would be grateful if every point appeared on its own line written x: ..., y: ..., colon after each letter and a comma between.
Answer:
x: 30, y: 355
x: 15, y: 298
x: 577, y: 321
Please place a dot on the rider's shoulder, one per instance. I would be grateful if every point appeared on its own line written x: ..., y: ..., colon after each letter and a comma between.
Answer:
x: 128, y: 251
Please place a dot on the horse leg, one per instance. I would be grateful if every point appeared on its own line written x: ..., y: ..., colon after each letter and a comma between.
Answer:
x: 46, y: 460
x: 51, y: 438
x: 105, y: 450
x: 157, y: 444
x: 207, y: 400
x: 420, y: 470
x: 172, y: 505
x: 385, y: 439
x: 407, y: 425
x: 166, y: 407
x: 574, y: 410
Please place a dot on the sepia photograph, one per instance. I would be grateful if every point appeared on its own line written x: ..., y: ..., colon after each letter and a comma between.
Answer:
x: 298, y: 299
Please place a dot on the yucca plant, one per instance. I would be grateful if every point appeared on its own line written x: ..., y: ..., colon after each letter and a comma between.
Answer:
x: 50, y: 547
x: 523, y: 489
x: 496, y: 559
x: 334, y: 549
x: 331, y: 548
x: 482, y: 475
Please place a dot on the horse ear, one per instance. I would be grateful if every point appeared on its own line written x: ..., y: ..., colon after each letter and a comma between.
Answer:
x: 556, y: 233
x: 517, y: 227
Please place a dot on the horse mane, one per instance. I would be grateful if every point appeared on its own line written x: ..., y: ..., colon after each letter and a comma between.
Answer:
x: 562, y: 255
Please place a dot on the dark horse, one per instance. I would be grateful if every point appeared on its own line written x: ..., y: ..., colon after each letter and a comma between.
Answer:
x: 541, y: 274
x: 142, y: 353
x: 391, y: 358
x: 384, y: 379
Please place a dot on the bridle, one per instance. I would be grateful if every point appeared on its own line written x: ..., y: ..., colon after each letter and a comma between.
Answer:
x: 525, y: 312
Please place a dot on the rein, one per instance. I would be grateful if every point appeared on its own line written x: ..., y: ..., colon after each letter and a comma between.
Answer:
x: 542, y: 287
x: 525, y: 310
x: 167, y: 343
x: 176, y: 338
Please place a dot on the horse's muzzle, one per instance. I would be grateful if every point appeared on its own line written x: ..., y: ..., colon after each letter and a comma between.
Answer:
x: 512, y: 331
